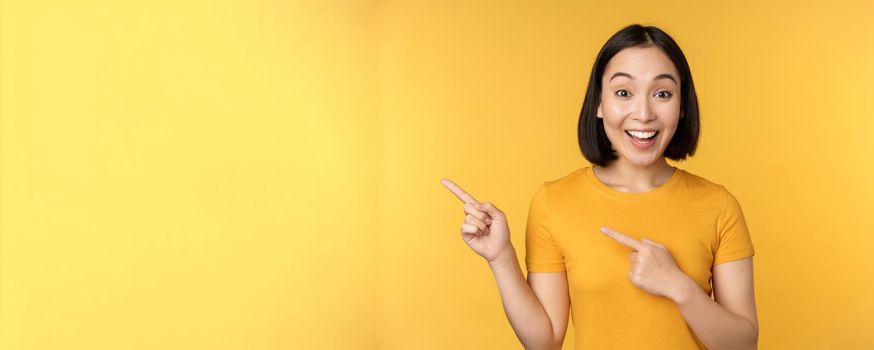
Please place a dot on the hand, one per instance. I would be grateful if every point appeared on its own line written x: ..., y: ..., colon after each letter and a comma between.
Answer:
x: 485, y: 228
x: 653, y: 268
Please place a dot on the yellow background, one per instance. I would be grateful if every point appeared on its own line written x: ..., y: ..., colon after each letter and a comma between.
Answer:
x: 265, y: 174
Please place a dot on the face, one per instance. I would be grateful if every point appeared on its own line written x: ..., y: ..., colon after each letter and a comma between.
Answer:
x: 640, y: 96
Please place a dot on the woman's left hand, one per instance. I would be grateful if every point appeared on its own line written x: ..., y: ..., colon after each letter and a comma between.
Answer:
x: 653, y: 268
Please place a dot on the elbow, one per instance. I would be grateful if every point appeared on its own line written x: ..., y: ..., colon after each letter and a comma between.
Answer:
x: 553, y: 346
x: 755, y: 345
x: 556, y: 344
x: 753, y: 338
x: 754, y: 335
x: 748, y: 342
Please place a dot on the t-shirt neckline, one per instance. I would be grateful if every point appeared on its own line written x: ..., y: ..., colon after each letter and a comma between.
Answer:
x: 639, y: 196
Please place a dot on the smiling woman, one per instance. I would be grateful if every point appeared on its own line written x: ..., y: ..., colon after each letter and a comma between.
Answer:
x: 640, y: 81
x: 630, y: 245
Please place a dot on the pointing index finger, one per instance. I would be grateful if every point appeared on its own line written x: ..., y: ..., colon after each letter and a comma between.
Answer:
x: 461, y: 194
x: 622, y: 238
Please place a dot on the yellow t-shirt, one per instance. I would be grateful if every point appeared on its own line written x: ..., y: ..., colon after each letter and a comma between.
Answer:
x: 700, y: 222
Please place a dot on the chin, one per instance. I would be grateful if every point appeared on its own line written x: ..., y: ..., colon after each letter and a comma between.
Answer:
x: 642, y: 164
x: 642, y: 160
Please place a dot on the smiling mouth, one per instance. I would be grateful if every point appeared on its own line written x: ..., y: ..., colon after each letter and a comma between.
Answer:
x: 642, y: 136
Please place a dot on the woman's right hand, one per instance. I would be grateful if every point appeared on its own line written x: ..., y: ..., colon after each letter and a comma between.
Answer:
x: 485, y: 228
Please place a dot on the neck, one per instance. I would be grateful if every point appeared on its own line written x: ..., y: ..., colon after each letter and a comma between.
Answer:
x: 629, y: 177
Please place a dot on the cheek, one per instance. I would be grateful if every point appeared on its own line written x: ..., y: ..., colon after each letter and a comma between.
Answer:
x: 612, y: 125
x: 671, y: 110
x: 614, y: 109
x: 669, y: 114
x: 614, y: 115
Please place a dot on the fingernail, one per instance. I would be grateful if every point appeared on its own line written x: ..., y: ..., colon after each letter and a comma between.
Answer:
x: 603, y: 230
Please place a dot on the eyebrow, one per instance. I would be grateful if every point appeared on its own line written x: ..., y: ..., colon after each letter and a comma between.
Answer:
x: 660, y: 76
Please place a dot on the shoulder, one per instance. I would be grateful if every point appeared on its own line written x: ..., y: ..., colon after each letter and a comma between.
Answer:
x: 700, y: 183
x: 571, y: 178
x: 557, y: 189
x: 700, y: 188
x: 563, y: 184
x: 715, y: 194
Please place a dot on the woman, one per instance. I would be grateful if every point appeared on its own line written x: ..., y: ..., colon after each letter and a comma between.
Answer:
x: 629, y: 245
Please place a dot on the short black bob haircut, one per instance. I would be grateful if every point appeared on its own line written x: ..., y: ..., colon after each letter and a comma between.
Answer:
x: 594, y: 144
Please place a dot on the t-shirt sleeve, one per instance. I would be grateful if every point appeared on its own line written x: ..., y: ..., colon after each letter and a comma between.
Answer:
x: 541, y: 252
x: 734, y: 237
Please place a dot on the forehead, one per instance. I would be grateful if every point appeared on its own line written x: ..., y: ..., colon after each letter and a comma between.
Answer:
x: 645, y: 62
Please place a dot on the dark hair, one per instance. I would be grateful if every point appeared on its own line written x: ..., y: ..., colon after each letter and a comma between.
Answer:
x: 594, y: 144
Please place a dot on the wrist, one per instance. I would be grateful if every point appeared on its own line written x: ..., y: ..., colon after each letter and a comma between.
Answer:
x: 685, y: 290
x: 504, y: 256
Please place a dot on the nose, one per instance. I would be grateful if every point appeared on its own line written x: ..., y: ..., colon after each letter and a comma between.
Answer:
x: 644, y: 111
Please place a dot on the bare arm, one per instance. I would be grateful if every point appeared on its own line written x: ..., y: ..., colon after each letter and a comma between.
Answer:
x: 730, y: 322
x: 538, y: 309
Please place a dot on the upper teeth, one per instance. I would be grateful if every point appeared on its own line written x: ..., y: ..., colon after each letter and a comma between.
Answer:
x: 642, y: 134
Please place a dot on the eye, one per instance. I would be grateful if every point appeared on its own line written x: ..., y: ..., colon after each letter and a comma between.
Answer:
x: 667, y: 94
x: 618, y: 93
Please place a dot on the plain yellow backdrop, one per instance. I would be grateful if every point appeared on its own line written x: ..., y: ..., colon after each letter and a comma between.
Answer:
x: 265, y: 174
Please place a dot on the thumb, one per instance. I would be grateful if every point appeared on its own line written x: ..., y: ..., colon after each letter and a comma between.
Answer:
x: 489, y: 208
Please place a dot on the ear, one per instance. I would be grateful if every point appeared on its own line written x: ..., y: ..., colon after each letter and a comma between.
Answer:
x: 600, y: 114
